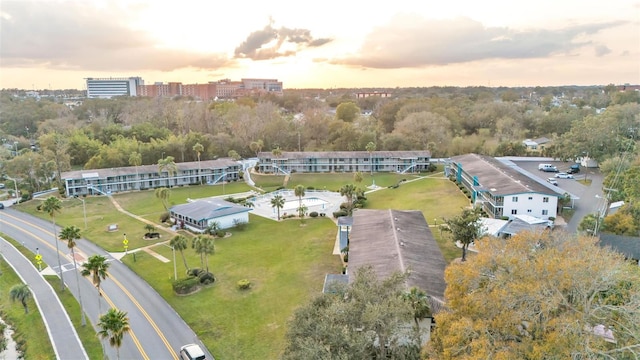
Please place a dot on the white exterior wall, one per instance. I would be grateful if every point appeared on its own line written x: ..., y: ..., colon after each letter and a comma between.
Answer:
x: 226, y: 222
x: 536, y: 205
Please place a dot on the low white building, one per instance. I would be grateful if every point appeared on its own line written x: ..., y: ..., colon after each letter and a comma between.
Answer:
x: 200, y: 214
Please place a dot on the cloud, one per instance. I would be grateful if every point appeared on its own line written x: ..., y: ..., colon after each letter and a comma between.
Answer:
x: 271, y: 43
x: 412, y: 41
x: 602, y: 50
x: 76, y: 35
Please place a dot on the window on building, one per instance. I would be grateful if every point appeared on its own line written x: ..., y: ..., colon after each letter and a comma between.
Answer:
x: 514, y: 199
x: 530, y: 197
x: 545, y: 199
x: 529, y: 210
x: 545, y: 212
x: 514, y: 211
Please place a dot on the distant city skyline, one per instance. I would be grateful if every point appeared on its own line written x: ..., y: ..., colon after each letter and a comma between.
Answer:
x: 48, y: 44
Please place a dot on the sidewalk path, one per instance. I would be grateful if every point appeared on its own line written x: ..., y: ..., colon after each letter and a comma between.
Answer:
x: 119, y: 208
x: 62, y: 334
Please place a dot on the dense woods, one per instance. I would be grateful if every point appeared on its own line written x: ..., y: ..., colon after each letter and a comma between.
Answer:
x: 51, y: 137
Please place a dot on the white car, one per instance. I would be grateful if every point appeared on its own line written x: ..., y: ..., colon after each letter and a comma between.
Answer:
x: 564, y: 175
x: 553, y: 181
x: 192, y: 352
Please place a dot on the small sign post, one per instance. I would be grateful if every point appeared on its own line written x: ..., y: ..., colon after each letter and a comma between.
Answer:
x: 125, y: 242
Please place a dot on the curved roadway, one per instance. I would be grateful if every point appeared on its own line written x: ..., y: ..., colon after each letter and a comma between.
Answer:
x: 157, y: 331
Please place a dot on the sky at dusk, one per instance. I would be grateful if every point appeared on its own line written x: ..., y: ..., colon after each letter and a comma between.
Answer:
x: 321, y: 44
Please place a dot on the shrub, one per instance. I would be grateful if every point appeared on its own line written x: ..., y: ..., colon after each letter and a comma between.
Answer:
x: 244, y: 284
x: 164, y: 217
x: 186, y: 286
x: 206, y: 278
x: 239, y: 225
x: 221, y: 233
x: 313, y: 214
x: 340, y: 213
x: 39, y: 207
x: 311, y: 188
x: 552, y: 218
x: 194, y: 272
x: 432, y: 168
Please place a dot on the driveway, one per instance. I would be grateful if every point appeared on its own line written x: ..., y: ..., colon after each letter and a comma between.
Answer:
x: 589, y: 199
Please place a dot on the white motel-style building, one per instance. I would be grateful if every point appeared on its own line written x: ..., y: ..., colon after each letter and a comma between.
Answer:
x: 503, y: 190
x: 343, y: 161
x: 113, y: 180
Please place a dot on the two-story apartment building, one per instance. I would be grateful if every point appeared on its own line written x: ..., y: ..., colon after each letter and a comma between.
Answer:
x: 502, y: 190
x: 107, y: 181
x: 344, y: 161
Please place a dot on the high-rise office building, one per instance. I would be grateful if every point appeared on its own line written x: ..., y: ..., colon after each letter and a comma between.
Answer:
x: 106, y: 88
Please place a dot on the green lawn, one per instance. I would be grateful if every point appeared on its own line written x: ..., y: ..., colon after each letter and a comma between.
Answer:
x: 268, y: 183
x: 29, y: 328
x: 286, y: 264
x: 437, y: 198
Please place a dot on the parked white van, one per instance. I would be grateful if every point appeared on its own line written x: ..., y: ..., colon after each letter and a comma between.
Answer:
x: 544, y: 166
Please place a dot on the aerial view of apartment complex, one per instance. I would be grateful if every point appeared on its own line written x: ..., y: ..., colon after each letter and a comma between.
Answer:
x: 107, y: 88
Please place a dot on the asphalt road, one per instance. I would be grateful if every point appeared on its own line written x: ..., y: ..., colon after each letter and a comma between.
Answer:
x: 589, y: 198
x: 66, y: 344
x: 157, y: 331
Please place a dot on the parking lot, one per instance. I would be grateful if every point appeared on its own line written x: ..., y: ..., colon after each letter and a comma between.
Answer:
x: 588, y: 198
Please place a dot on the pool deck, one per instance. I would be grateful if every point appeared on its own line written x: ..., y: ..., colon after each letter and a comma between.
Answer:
x: 262, y: 205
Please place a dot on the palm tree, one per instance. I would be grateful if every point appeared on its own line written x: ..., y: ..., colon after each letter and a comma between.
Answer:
x: 179, y: 242
x: 96, y: 267
x: 348, y: 191
x: 20, y: 292
x: 52, y: 206
x: 276, y: 152
x: 419, y: 302
x: 204, y: 245
x: 135, y: 159
x: 169, y: 166
x: 163, y: 194
x: 113, y: 326
x: 371, y: 147
x: 278, y: 203
x: 299, y: 192
x: 71, y: 234
x: 198, y: 148
x: 149, y: 228
x: 256, y: 146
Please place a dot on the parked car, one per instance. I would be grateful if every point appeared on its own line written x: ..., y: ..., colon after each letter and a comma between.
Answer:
x: 553, y: 181
x: 550, y: 169
x: 1, y: 206
x: 564, y: 175
x: 1, y: 186
x: 574, y: 169
x: 544, y: 166
x: 192, y: 352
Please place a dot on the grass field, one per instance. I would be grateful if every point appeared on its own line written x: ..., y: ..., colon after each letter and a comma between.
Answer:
x: 285, y: 262
x: 29, y: 328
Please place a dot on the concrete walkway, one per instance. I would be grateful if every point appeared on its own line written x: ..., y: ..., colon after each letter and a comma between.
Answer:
x: 120, y: 209
x: 62, y: 334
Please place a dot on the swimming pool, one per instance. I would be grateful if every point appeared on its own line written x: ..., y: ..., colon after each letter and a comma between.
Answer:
x: 307, y: 201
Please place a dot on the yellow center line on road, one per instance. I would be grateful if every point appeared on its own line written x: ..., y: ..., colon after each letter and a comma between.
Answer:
x: 133, y: 335
x: 131, y: 332
x: 135, y: 302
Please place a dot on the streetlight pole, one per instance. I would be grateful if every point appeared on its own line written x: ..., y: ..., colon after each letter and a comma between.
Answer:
x: 15, y: 185
x: 84, y: 211
x: 175, y: 269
